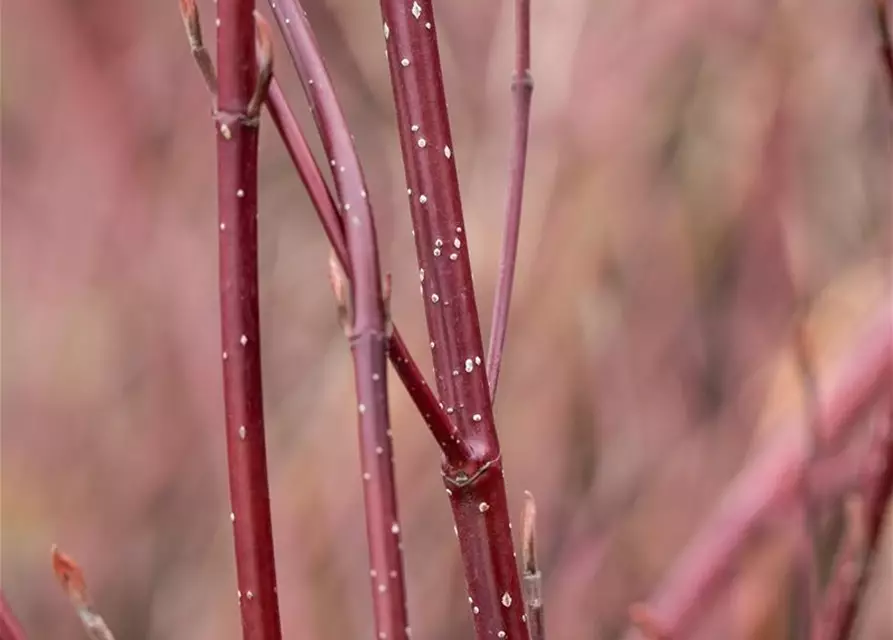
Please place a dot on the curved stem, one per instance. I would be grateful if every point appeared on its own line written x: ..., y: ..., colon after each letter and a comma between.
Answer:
x: 367, y: 328
x: 453, y: 448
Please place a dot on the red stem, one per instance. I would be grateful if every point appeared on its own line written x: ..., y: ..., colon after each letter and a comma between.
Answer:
x: 769, y: 480
x: 237, y: 202
x: 477, y: 490
x: 426, y: 402
x: 522, y: 91
x: 368, y: 335
x: 10, y: 628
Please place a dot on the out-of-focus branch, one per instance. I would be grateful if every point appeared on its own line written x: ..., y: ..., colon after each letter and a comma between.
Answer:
x: 522, y: 91
x: 10, y: 628
x: 531, y: 576
x: 885, y: 31
x: 70, y: 576
x: 772, y: 478
x: 853, y: 572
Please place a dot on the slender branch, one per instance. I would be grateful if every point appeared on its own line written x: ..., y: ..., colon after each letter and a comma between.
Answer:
x: 368, y: 331
x: 853, y: 577
x: 237, y: 147
x: 805, y: 570
x: 522, y: 91
x: 455, y: 449
x: 844, y: 576
x: 71, y: 577
x: 532, y: 577
x: 10, y: 628
x: 771, y: 479
x: 477, y: 491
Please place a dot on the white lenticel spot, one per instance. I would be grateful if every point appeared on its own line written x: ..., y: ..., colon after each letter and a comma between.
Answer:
x: 422, y: 142
x: 243, y: 340
x: 469, y: 365
x: 361, y: 408
x: 423, y: 198
x: 242, y: 432
x: 404, y: 62
x: 483, y: 507
x: 506, y: 599
x: 435, y: 298
x: 416, y: 10
x: 476, y: 417
x: 240, y: 193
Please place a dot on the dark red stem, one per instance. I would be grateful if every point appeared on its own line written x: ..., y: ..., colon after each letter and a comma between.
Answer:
x: 367, y: 328
x: 426, y: 402
x: 884, y: 27
x: 771, y: 479
x: 477, y: 489
x: 237, y: 202
x: 522, y: 91
x: 10, y: 629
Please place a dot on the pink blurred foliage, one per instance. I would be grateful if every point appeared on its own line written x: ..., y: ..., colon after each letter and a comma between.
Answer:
x: 696, y: 169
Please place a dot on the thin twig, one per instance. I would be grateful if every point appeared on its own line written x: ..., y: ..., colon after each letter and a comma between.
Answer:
x: 522, y: 91
x: 531, y: 577
x: 367, y: 327
x: 10, y: 627
x: 455, y: 449
x: 769, y: 480
x: 237, y: 147
x: 71, y: 577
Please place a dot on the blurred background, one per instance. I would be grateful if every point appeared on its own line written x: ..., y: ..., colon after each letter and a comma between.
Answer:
x: 699, y: 172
